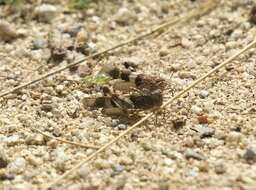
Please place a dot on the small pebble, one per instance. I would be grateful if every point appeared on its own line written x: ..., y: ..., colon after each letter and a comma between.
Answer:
x: 236, y: 128
x: 82, y: 37
x: 126, y: 161
x: 195, y: 109
x: 5, y: 176
x: 60, y: 89
x: 101, y: 164
x: 61, y: 165
x: 252, y: 17
x: 175, y: 67
x: 186, y: 43
x: 35, y: 139
x: 7, y: 32
x: 78, y: 186
x: 88, y: 122
x: 121, y: 126
x: 236, y: 34
x: 214, y: 143
x: 92, y: 46
x: 84, y: 70
x: 57, y: 132
x: 38, y: 44
x: 124, y: 16
x: 192, y: 154
x: 231, y: 45
x: 60, y: 154
x: 203, y: 94
x: 72, y: 30
x: 200, y: 40
x: 168, y: 162
x: 204, y: 131
x: 203, y: 166
x: 23, y: 186
x: 250, y: 155
x: 178, y: 122
x: 146, y: 145
x: 115, y: 122
x: 220, y: 168
x: 132, y: 62
x: 3, y: 158
x: 79, y: 95
x: 81, y: 44
x: 45, y: 12
x: 164, y: 186
x: 34, y: 160
x: 118, y: 169
x: 188, y: 142
x: 47, y: 107
x: 49, y: 115
x: 234, y: 137
x: 83, y: 171
x: 163, y: 52
x: 13, y: 140
x: 186, y: 75
x: 202, y: 119
x: 18, y: 165
x: 220, y: 135
x: 193, y: 172
x: 214, y: 33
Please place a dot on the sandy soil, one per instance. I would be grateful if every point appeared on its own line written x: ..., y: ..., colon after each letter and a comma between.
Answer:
x: 214, y: 149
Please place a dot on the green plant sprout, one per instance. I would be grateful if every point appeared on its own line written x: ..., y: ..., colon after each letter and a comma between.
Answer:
x: 99, y: 79
x: 80, y: 4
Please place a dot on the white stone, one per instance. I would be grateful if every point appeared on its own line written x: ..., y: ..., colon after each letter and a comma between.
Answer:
x: 83, y: 171
x: 60, y: 88
x: 124, y: 16
x: 13, y: 140
x: 23, y: 186
x: 34, y: 160
x: 186, y: 43
x: 18, y: 165
x: 45, y: 12
x: 168, y: 162
x: 203, y: 94
x: 78, y: 186
x: 195, y: 109
x: 236, y: 34
x: 234, y: 137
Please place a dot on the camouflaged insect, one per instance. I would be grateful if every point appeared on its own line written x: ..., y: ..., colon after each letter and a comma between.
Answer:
x: 128, y: 90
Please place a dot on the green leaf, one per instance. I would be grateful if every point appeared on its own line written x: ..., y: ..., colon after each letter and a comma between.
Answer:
x: 80, y: 4
x: 99, y: 79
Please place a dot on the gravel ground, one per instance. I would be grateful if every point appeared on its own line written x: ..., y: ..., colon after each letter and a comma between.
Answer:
x: 213, y: 148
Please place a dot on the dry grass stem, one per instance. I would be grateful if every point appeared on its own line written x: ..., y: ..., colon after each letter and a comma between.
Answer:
x: 202, y: 10
x: 65, y: 141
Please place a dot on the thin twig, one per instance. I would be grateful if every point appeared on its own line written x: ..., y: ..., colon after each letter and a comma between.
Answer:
x: 209, y: 5
x: 205, y: 8
x: 180, y: 94
x: 65, y: 141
